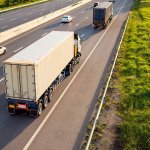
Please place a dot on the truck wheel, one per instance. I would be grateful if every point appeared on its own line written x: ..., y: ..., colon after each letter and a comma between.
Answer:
x: 40, y: 108
x: 104, y: 26
x: 11, y: 111
x: 45, y: 101
x: 78, y: 59
x: 72, y: 66
x: 110, y: 20
x: 94, y: 26
x: 50, y: 96
x: 69, y: 69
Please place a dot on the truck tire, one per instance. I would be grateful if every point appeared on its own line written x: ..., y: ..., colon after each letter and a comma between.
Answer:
x: 40, y: 108
x: 95, y: 27
x: 69, y: 68
x: 72, y: 66
x: 104, y: 26
x: 11, y: 111
x: 110, y: 19
x: 50, y: 95
x: 45, y: 101
x: 78, y: 58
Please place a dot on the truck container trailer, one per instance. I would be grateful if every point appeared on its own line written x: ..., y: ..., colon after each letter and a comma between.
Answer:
x: 102, y: 14
x: 32, y: 74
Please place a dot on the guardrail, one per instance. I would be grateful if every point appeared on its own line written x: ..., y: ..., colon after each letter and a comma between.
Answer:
x: 5, y: 35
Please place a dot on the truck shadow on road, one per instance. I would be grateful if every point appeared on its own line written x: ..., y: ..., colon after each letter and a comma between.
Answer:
x: 87, y: 31
x: 11, y: 126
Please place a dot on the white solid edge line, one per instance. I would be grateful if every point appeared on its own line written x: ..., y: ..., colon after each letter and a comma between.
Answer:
x: 1, y: 79
x: 63, y: 93
x: 102, y: 101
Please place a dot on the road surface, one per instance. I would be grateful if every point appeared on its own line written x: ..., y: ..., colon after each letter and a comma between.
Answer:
x: 67, y: 123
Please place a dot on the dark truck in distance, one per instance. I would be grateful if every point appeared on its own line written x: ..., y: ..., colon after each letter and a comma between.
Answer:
x: 102, y: 14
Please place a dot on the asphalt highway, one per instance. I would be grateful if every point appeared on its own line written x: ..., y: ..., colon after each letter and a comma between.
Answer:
x: 17, y: 17
x: 66, y: 117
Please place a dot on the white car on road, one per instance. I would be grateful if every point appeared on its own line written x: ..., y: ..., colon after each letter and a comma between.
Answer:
x: 2, y: 50
x: 66, y: 19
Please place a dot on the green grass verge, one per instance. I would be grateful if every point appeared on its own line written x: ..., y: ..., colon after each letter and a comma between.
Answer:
x: 134, y: 75
x: 131, y: 84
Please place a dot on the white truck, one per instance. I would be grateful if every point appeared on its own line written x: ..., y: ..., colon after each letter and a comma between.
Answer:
x: 32, y: 74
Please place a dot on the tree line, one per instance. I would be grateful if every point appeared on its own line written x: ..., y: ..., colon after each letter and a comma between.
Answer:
x: 14, y: 2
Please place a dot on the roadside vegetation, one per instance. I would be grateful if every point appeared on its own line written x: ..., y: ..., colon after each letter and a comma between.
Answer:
x: 127, y: 107
x: 5, y: 4
x: 133, y: 73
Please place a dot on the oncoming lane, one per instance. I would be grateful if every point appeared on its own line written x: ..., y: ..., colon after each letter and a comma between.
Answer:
x: 14, y: 18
